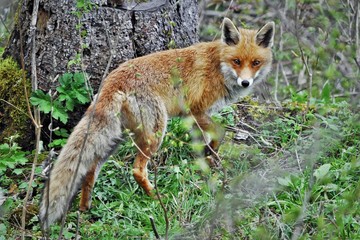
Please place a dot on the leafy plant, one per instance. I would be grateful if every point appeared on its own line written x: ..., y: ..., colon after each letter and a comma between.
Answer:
x: 83, y: 6
x: 71, y: 92
x: 63, y: 135
x: 11, y: 156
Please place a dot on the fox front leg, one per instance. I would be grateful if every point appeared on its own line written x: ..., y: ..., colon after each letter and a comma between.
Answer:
x: 216, y: 133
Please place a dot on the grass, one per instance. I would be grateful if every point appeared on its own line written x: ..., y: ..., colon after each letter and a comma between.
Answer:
x: 298, y: 173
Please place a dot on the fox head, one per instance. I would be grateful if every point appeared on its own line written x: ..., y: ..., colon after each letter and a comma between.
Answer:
x: 245, y: 54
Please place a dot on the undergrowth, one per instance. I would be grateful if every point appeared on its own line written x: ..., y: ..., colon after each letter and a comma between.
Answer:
x: 304, y: 175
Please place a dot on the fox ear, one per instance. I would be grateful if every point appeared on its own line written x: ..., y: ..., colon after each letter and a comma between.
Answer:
x: 230, y: 34
x: 265, y: 36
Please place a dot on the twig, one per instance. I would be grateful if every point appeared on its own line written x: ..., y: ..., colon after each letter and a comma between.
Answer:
x: 36, y: 120
x: 299, y: 224
x: 224, y: 181
x: 3, y: 22
x: 279, y: 223
x: 20, y: 110
x: 247, y: 125
x: 167, y: 223
x: 300, y: 220
x: 303, y: 58
x: 205, y: 139
x: 278, y: 67
x: 77, y: 225
x: 154, y: 227
x: 346, y: 94
x: 225, y: 15
x: 297, y: 157
x: 356, y: 33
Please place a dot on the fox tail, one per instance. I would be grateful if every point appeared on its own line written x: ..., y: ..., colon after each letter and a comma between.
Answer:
x: 102, y: 132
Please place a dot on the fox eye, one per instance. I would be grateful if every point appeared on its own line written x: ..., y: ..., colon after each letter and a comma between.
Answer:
x: 237, y: 61
x: 256, y: 63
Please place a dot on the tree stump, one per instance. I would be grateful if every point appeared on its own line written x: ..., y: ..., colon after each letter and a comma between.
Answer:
x: 88, y: 32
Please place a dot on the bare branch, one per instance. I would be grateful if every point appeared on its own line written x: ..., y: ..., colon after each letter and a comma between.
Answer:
x: 36, y: 120
x: 3, y: 22
x: 25, y: 113
x: 303, y: 58
x: 154, y: 227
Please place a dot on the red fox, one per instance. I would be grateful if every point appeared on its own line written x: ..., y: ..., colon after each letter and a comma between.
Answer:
x: 141, y: 94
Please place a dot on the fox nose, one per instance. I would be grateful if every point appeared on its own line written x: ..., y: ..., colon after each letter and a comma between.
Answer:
x: 245, y: 83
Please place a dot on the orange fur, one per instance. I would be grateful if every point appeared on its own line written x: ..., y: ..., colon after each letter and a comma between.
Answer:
x: 142, y: 93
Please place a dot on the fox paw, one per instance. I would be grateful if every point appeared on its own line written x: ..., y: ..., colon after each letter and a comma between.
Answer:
x: 213, y: 162
x: 153, y: 194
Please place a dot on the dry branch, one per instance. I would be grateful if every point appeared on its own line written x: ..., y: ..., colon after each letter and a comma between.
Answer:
x: 36, y: 118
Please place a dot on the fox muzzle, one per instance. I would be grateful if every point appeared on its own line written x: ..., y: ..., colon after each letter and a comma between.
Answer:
x: 245, y: 82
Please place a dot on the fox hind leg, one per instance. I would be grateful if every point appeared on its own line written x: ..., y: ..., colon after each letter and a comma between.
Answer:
x: 146, y: 118
x: 89, y: 182
x: 145, y: 151
x: 87, y: 187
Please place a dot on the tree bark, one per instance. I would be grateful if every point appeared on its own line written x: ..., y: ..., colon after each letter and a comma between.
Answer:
x: 134, y: 29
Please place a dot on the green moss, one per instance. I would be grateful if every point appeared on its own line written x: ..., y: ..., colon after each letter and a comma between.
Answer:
x: 13, y: 107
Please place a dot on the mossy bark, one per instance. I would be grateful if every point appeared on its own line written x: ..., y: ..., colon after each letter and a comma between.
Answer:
x: 13, y: 106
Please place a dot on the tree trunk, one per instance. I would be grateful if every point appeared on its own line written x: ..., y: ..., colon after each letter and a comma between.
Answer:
x: 88, y: 32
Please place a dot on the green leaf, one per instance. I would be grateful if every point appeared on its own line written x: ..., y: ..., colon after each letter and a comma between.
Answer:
x: 18, y: 171
x: 62, y: 132
x: 79, y: 78
x: 59, y: 113
x: 63, y: 92
x: 70, y: 104
x: 8, y: 162
x: 81, y: 96
x: 4, y: 148
x: 23, y: 185
x: 326, y: 92
x: 72, y: 90
x: 322, y: 171
x: 58, y: 143
x: 331, y: 187
x: 2, y: 229
x: 40, y: 99
x: 19, y: 157
x: 66, y: 79
x: 284, y: 181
